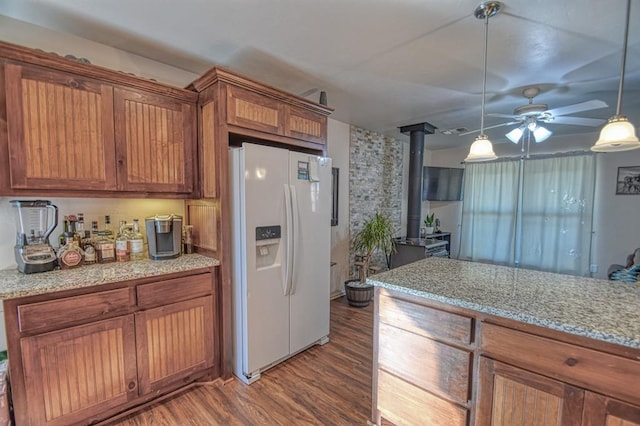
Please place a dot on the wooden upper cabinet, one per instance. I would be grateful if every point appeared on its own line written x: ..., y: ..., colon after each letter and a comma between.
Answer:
x: 60, y: 130
x: 155, y: 142
x: 306, y: 125
x: 254, y: 111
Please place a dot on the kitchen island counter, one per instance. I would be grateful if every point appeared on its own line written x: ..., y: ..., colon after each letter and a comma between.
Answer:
x: 464, y: 343
x: 15, y: 284
x: 598, y: 309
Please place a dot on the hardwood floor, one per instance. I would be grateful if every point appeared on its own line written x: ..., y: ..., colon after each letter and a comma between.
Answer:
x: 325, y: 385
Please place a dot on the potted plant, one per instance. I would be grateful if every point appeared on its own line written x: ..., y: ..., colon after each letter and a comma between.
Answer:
x: 377, y: 234
x: 428, y: 223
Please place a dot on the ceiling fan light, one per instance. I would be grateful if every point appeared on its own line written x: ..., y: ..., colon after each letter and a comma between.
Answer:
x: 617, y: 135
x: 481, y: 150
x: 541, y: 134
x: 514, y: 135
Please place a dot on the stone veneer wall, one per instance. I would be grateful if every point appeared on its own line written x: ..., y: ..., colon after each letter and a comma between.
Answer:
x: 375, y: 181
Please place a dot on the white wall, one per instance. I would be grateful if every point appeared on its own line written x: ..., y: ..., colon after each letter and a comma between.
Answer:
x: 616, y: 227
x: 36, y: 37
x: 93, y: 209
x: 338, y: 135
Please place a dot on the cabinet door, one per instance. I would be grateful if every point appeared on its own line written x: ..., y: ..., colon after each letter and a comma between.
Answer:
x: 60, y: 130
x: 600, y: 410
x: 155, y: 142
x: 254, y: 111
x: 306, y: 125
x: 80, y: 371
x: 510, y: 396
x: 174, y: 341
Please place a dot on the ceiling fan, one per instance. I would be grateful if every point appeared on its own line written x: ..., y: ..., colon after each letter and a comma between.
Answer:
x: 530, y: 116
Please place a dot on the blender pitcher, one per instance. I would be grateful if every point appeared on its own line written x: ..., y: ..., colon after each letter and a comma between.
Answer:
x: 35, y: 221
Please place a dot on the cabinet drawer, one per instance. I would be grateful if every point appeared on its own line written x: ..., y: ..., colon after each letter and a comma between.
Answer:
x: 403, y: 403
x: 175, y: 290
x: 424, y: 321
x: 598, y: 371
x: 73, y: 310
x: 434, y: 366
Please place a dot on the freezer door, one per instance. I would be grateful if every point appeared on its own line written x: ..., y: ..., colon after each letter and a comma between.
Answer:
x: 310, y: 179
x: 266, y: 309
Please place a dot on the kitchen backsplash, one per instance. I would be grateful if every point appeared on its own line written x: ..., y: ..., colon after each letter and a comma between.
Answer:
x: 93, y: 209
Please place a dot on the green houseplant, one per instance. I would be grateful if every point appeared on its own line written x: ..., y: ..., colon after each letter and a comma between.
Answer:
x: 377, y: 234
x: 428, y: 223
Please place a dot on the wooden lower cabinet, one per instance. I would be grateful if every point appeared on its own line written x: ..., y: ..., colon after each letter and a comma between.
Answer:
x: 156, y: 336
x: 600, y: 410
x: 511, y: 396
x: 76, y: 372
x: 172, y: 342
x: 436, y: 364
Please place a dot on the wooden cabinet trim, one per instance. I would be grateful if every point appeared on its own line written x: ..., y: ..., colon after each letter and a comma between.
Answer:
x: 35, y: 57
x: 610, y: 374
x: 54, y: 314
x: 178, y: 289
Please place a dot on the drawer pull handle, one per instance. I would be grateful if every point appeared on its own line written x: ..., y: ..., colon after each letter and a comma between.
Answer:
x: 571, y: 362
x: 132, y: 385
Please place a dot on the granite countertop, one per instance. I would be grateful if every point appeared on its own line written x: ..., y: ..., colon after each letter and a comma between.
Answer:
x: 602, y: 310
x: 15, y: 284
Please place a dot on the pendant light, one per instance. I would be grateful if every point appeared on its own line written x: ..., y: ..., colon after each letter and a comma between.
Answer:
x: 482, y: 149
x: 619, y: 134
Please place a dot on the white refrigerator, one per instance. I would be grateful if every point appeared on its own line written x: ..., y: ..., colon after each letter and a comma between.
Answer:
x: 281, y: 211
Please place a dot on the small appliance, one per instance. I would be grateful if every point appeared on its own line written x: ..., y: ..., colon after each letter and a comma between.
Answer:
x: 164, y: 234
x: 36, y: 219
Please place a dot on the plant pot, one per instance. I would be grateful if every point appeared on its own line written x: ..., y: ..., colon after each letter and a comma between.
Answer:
x: 429, y: 230
x: 358, y: 294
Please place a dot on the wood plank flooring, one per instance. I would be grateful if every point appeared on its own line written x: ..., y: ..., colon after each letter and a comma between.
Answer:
x: 325, y: 385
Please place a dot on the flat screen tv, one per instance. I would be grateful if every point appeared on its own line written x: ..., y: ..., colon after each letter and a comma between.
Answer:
x: 442, y: 184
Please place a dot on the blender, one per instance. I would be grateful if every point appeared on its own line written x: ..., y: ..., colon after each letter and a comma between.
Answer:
x: 36, y: 220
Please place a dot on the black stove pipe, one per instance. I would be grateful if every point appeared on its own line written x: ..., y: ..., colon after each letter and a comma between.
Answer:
x: 416, y: 160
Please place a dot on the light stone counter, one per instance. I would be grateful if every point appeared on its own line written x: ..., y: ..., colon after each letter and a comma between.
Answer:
x: 598, y: 309
x: 14, y: 284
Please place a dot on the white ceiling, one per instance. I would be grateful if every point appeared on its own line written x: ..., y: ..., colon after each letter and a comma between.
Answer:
x: 383, y: 63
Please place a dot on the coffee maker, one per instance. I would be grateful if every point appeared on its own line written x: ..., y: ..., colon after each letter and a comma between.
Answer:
x: 164, y: 234
x: 36, y: 219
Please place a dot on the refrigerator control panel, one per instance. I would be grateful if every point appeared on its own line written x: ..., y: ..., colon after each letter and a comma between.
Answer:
x: 267, y: 232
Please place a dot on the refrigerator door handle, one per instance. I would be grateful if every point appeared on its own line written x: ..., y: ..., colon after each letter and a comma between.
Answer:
x: 288, y: 259
x: 294, y: 233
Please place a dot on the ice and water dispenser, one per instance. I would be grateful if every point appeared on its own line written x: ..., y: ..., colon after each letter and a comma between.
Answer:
x: 267, y: 243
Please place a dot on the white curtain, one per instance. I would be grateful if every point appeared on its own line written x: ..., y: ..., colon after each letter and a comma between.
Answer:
x: 557, y: 206
x: 489, y: 212
x: 534, y: 213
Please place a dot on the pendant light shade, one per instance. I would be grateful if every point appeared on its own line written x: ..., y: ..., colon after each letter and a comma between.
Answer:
x: 482, y: 148
x: 619, y: 134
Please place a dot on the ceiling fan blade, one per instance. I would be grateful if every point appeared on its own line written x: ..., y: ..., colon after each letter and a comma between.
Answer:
x: 489, y: 127
x: 513, y: 117
x: 583, y: 106
x: 577, y: 121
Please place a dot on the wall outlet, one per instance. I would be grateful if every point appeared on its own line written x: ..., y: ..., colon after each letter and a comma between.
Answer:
x: 593, y: 268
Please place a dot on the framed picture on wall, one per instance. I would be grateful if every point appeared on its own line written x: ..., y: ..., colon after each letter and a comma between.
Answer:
x: 628, y: 182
